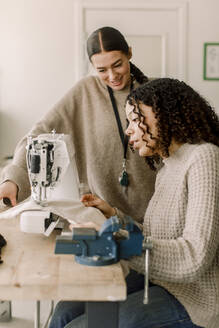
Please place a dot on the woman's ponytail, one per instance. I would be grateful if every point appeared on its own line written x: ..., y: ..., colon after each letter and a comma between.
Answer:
x: 138, y: 74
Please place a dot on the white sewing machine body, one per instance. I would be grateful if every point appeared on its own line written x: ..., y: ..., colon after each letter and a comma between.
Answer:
x: 53, y: 176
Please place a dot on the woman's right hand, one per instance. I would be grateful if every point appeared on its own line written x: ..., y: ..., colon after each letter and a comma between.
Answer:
x: 91, y: 200
x: 9, y: 190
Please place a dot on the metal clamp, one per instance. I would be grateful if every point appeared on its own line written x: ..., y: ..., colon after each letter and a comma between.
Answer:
x: 147, y: 246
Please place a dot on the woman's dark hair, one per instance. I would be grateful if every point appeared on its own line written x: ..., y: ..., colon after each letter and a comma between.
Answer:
x: 109, y: 39
x: 181, y: 113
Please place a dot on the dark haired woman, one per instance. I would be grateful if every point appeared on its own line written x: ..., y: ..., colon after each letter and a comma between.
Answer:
x: 87, y: 114
x: 169, y: 121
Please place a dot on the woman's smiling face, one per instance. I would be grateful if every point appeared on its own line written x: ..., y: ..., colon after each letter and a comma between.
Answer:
x: 113, y: 68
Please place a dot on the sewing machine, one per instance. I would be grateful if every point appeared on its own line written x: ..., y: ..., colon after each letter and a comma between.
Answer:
x: 53, y: 176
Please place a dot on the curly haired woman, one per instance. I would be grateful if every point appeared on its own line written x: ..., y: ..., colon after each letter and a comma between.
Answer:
x: 171, y: 122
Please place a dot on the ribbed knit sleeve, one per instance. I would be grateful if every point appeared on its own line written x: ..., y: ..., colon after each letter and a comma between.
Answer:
x: 185, y: 252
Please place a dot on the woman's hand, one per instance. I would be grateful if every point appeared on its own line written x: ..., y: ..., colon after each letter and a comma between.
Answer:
x: 91, y: 200
x: 8, y: 190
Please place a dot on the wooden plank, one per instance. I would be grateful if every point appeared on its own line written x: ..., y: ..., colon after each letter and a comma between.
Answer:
x: 31, y: 270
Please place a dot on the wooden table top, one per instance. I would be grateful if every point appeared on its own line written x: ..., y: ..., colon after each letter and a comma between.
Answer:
x: 31, y: 271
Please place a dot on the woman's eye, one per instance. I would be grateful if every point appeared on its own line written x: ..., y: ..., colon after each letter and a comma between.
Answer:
x: 135, y: 119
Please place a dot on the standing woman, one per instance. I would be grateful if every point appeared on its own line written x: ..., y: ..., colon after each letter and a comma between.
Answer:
x: 171, y: 121
x: 105, y: 165
x: 93, y: 114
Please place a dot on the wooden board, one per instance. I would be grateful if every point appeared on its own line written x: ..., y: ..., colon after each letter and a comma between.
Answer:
x: 31, y: 271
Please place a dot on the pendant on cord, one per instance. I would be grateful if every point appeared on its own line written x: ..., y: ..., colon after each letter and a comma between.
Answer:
x: 124, y: 178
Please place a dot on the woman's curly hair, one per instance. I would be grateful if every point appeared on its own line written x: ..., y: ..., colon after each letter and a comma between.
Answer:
x: 181, y: 113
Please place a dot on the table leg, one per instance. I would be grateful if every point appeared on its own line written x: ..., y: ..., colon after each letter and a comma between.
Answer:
x: 37, y: 315
x: 5, y: 311
x: 102, y: 314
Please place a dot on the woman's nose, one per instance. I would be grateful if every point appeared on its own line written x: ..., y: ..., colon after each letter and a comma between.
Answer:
x: 112, y: 74
x: 128, y: 131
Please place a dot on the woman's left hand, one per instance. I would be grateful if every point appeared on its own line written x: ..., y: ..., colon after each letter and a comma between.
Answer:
x: 94, y: 201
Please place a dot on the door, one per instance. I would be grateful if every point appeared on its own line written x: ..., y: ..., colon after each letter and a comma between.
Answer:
x: 156, y: 31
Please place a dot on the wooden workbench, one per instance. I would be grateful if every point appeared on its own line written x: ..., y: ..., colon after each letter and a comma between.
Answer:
x: 31, y: 271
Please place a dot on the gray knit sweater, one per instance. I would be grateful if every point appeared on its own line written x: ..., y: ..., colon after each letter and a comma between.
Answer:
x: 183, y: 221
x: 86, y: 114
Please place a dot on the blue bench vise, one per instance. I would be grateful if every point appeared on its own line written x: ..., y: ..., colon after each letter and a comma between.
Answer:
x: 103, y: 247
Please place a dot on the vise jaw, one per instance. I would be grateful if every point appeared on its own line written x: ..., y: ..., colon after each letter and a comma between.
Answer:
x: 103, y: 247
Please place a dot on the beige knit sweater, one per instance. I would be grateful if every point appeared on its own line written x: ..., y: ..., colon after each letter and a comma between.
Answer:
x: 86, y: 114
x: 183, y: 221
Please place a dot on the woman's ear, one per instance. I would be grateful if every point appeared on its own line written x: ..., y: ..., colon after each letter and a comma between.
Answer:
x: 130, y: 53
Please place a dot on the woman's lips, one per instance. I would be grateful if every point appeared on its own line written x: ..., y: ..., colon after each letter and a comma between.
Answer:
x: 134, y: 144
x: 116, y: 83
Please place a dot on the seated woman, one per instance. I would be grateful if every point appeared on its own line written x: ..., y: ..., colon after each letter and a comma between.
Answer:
x: 170, y: 122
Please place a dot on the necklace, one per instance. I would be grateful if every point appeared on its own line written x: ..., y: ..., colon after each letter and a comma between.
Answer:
x: 123, y: 178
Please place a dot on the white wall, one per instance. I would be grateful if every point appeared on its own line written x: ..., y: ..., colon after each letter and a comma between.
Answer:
x: 37, y: 59
x: 36, y: 66
x: 202, y: 27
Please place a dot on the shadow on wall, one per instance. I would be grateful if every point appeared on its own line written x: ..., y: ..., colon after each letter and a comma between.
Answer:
x: 9, y: 132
